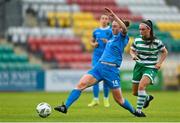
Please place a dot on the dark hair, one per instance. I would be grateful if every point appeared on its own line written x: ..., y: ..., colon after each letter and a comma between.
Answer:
x: 126, y: 22
x: 152, y: 37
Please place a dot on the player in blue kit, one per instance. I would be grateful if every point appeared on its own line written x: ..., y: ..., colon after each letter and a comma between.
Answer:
x: 100, y: 37
x: 106, y: 68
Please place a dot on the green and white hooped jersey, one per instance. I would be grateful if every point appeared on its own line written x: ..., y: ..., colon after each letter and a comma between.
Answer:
x: 147, y: 54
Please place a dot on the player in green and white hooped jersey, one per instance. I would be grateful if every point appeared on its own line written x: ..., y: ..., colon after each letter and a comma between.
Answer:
x: 145, y: 51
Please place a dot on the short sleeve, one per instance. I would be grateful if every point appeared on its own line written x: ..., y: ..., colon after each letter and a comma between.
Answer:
x: 161, y: 46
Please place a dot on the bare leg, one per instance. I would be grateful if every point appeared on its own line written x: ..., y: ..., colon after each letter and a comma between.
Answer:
x: 145, y: 81
x: 135, y: 89
x: 86, y: 81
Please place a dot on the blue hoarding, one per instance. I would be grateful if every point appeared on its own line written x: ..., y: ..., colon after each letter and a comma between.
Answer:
x: 21, y: 80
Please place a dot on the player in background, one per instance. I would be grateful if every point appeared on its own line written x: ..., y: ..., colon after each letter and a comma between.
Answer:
x: 99, y: 39
x: 106, y: 68
x: 144, y: 51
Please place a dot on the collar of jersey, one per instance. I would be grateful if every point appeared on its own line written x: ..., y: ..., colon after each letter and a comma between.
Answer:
x: 104, y: 28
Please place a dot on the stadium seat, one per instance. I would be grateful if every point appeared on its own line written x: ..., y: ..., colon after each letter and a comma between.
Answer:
x: 10, y: 60
x: 175, y: 34
x: 5, y: 58
x: 6, y: 49
x: 73, y: 65
x: 73, y: 57
x: 144, y: 2
x: 60, y: 49
x: 169, y: 26
x: 52, y: 45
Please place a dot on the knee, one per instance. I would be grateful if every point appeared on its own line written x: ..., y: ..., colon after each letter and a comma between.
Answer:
x: 81, y: 86
x: 141, y: 87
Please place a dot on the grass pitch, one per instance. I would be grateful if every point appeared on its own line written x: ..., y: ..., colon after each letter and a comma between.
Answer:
x: 20, y: 107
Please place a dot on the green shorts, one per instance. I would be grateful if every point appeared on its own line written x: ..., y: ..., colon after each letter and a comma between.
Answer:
x: 140, y: 71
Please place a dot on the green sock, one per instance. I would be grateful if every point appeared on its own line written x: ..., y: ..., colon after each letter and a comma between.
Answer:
x: 140, y: 100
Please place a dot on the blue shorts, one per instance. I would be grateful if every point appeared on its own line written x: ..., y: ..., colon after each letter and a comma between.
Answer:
x: 110, y: 74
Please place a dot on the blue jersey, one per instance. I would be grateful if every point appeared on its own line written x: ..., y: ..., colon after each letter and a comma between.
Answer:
x: 98, y: 34
x: 114, y: 49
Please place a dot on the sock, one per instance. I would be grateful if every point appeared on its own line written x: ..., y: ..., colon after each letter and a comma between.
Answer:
x: 74, y: 95
x: 127, y: 105
x: 96, y: 90
x: 96, y: 99
x: 106, y: 90
x: 140, y: 100
x: 147, y: 97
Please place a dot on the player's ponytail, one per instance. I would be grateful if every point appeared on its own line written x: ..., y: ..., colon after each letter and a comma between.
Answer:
x: 127, y: 23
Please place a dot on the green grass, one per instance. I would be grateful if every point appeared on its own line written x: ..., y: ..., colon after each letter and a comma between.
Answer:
x: 20, y: 107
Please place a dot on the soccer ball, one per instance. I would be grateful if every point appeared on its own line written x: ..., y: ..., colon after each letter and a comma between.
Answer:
x: 43, y: 109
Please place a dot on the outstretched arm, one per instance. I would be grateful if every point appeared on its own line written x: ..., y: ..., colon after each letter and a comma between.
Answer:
x: 118, y: 20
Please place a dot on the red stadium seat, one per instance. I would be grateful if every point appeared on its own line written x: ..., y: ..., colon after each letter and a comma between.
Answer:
x: 97, y: 6
x: 61, y: 48
x: 84, y: 57
x: 50, y: 47
x: 72, y: 65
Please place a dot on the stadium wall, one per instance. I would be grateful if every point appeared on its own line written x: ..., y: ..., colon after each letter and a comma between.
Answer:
x: 57, y: 80
x: 66, y: 80
x: 62, y: 80
x: 21, y: 80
